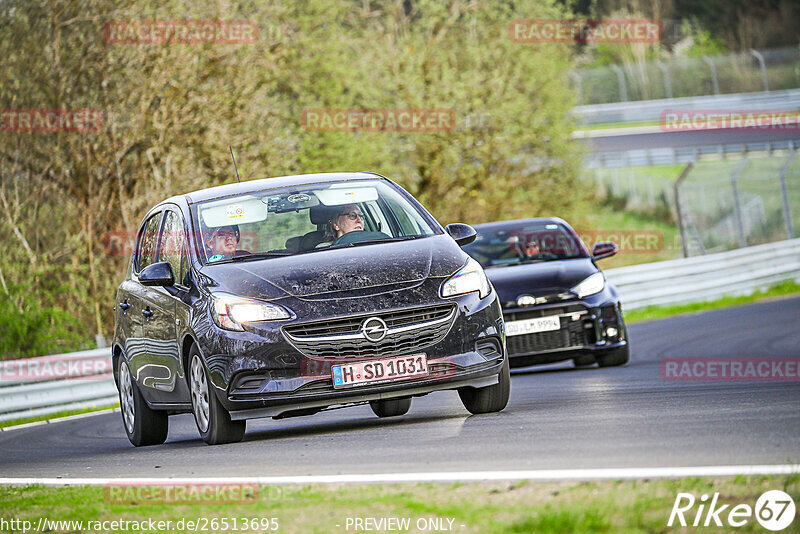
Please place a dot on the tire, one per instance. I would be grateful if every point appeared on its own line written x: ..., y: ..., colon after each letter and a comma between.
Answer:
x: 584, y: 361
x: 143, y: 425
x: 213, y: 420
x: 391, y: 407
x: 491, y: 398
x: 614, y: 357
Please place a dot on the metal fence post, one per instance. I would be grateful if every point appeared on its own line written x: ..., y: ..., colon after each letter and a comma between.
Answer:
x: 714, y: 80
x: 576, y: 78
x: 623, y: 90
x: 760, y: 59
x: 787, y: 214
x: 678, y: 211
x: 667, y: 80
x: 737, y: 207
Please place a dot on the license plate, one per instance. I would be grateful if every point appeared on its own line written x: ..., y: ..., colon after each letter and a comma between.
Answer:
x: 383, y: 370
x: 533, y: 326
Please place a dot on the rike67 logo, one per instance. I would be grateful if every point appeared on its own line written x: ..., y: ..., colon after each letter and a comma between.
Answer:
x: 774, y: 510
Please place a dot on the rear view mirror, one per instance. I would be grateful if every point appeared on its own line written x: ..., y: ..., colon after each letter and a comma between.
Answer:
x: 463, y: 234
x: 157, y: 274
x: 604, y: 249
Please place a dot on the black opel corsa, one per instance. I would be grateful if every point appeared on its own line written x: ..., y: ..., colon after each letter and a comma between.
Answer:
x: 285, y: 296
x: 556, y: 303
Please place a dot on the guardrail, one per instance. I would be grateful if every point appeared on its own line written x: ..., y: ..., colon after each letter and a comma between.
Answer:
x: 646, y: 157
x: 33, y: 386
x: 650, y: 110
x: 700, y: 278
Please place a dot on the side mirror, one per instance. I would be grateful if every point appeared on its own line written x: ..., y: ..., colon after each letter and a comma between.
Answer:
x: 463, y: 234
x: 604, y: 249
x: 157, y: 274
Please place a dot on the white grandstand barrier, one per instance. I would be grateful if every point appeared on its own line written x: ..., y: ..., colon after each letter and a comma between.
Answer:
x: 737, y: 272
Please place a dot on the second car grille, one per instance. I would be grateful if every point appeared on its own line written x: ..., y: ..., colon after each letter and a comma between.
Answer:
x: 570, y: 335
x: 407, y: 331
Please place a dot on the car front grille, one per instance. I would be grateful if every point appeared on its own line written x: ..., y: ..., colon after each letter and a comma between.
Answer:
x: 407, y: 331
x: 571, y: 334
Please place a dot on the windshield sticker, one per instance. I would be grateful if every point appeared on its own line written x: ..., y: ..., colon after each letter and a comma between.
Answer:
x: 215, y: 257
x: 234, y: 211
x: 300, y: 197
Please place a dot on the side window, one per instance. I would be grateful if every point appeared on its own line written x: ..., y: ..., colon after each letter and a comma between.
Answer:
x: 172, y: 243
x: 407, y: 224
x: 146, y: 251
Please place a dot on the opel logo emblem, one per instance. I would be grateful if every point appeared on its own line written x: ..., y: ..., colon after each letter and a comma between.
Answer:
x: 374, y: 329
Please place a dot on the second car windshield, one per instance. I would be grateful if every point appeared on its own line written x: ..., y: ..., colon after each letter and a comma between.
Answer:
x: 281, y: 222
x: 525, y: 244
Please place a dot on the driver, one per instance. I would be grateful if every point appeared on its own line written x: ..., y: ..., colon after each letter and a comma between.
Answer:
x: 346, y: 219
x: 221, y: 242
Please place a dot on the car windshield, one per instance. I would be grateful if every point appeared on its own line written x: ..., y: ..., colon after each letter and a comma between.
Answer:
x: 297, y: 220
x: 528, y: 243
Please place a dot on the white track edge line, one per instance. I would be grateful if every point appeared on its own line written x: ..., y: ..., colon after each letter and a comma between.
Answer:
x: 464, y: 476
x: 58, y: 419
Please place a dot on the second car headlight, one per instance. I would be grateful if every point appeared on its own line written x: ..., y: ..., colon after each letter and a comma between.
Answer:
x: 591, y: 285
x: 230, y: 311
x: 468, y: 279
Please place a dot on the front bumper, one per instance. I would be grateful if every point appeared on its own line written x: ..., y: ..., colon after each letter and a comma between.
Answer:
x: 263, y: 372
x: 585, y: 330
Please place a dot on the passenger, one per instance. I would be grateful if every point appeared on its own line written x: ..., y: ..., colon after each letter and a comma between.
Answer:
x: 221, y: 242
x: 347, y: 219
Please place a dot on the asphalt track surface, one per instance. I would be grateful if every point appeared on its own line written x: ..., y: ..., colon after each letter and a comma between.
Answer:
x: 687, y: 139
x: 558, y: 418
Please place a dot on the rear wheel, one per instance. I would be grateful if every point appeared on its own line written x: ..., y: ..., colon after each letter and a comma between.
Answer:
x: 143, y: 425
x: 213, y: 420
x: 491, y: 398
x: 614, y: 357
x: 391, y: 407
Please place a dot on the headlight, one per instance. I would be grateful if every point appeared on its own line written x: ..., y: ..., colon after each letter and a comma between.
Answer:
x: 468, y: 279
x: 230, y: 312
x: 591, y: 285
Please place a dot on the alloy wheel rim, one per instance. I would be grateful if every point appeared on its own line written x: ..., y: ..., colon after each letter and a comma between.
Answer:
x: 128, y: 410
x: 199, y: 394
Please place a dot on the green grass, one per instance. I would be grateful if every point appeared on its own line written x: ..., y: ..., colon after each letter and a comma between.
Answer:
x: 782, y: 289
x: 609, y: 506
x: 56, y: 415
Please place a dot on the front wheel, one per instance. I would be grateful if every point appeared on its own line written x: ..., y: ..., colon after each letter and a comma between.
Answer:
x: 491, y: 398
x: 391, y: 407
x: 213, y: 420
x: 143, y: 425
x: 614, y: 357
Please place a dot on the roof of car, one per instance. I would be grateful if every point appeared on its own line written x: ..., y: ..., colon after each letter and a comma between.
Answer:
x: 510, y: 225
x: 272, y: 183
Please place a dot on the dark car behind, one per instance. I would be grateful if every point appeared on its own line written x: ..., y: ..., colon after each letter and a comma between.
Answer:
x: 556, y: 302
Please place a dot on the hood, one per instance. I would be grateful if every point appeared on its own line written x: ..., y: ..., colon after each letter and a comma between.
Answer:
x: 538, y: 279
x: 360, y: 270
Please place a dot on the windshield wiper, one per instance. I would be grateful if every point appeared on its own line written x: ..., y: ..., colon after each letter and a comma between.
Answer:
x: 252, y: 256
x: 373, y: 241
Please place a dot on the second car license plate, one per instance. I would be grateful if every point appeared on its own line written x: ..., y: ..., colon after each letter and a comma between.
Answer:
x: 383, y: 370
x: 533, y: 326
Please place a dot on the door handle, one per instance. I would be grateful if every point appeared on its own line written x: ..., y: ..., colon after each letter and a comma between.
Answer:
x: 124, y: 305
x: 147, y: 312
